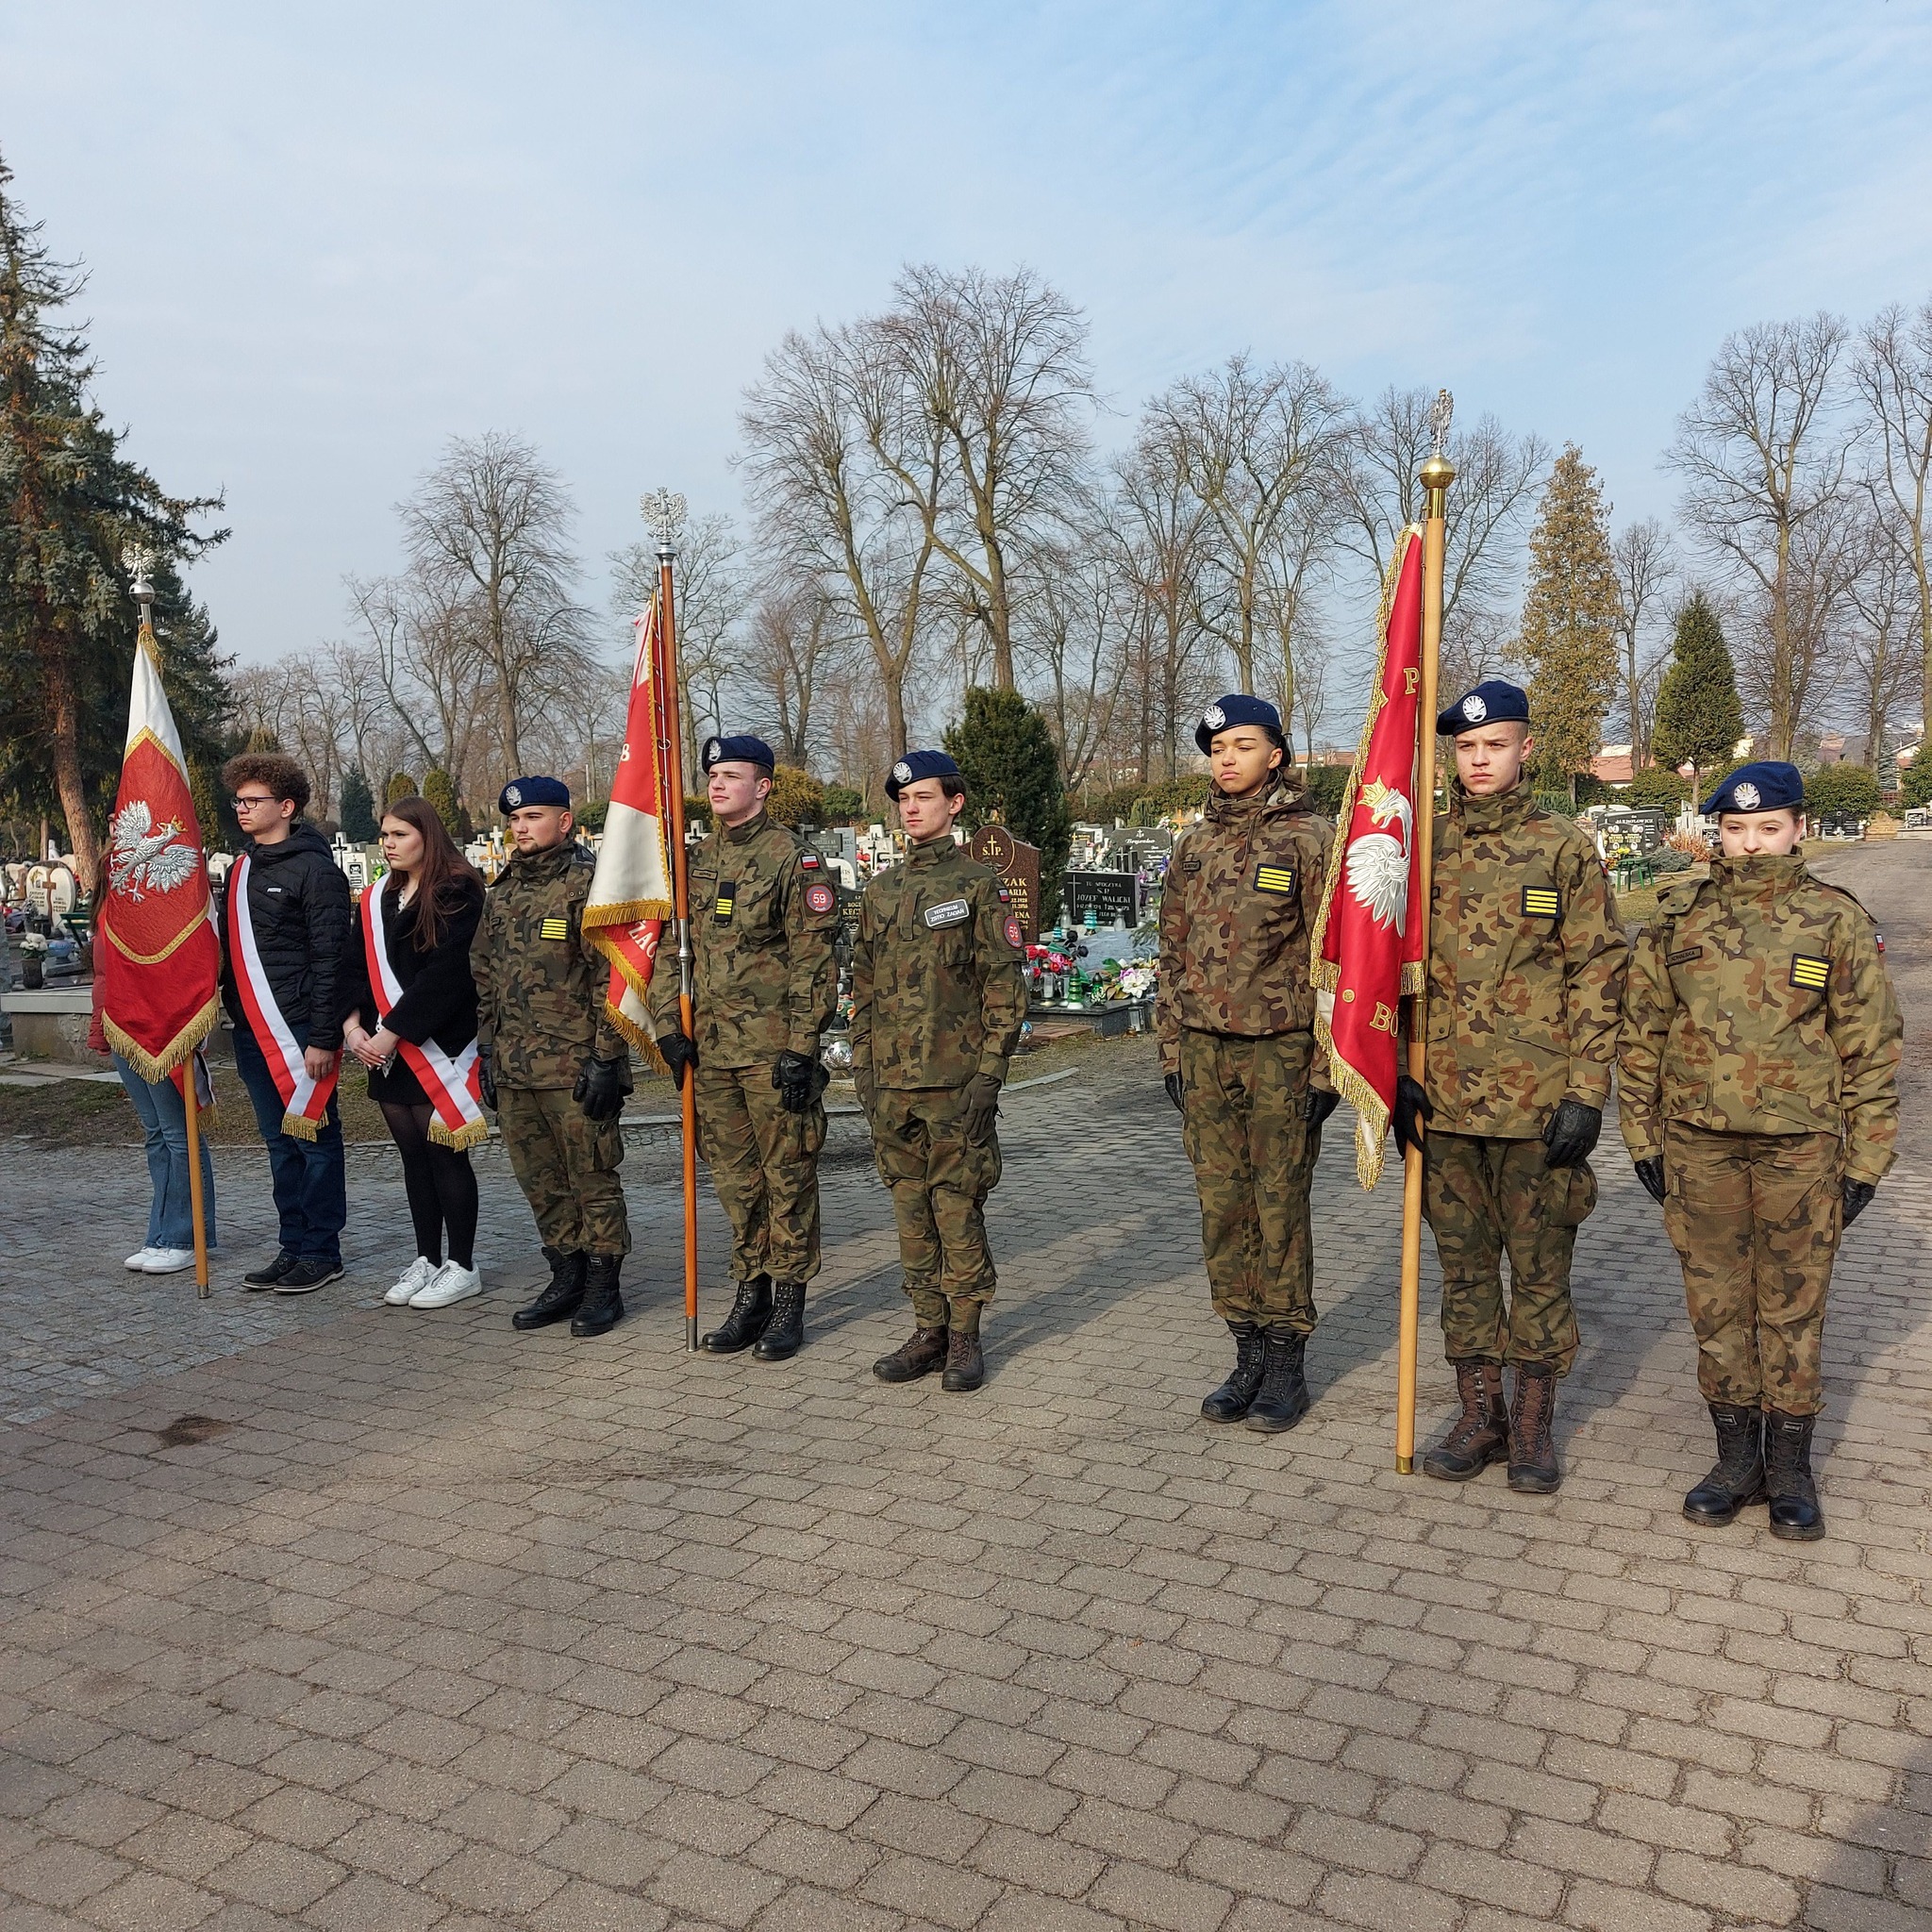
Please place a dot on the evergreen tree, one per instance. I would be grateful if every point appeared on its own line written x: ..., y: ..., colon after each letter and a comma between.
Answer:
x: 1699, y: 720
x: 1012, y: 771
x: 400, y: 785
x: 71, y: 504
x: 796, y: 798
x: 358, y: 807
x: 439, y: 789
x: 1571, y: 613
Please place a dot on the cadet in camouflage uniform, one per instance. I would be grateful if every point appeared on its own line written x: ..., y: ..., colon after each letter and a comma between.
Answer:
x: 554, y: 1067
x: 763, y: 917
x: 1760, y: 1068
x: 1526, y: 962
x: 938, y: 996
x: 1235, y: 1015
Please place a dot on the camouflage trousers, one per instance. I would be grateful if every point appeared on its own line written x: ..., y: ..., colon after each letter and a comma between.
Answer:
x: 938, y: 1181
x: 1484, y: 1198
x: 1755, y: 1220
x: 764, y: 1164
x: 1254, y: 1163
x: 567, y: 1167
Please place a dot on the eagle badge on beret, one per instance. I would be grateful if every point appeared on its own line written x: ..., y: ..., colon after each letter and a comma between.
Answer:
x: 1214, y: 717
x: 902, y: 772
x: 1474, y: 710
x: 1747, y: 795
x: 514, y: 795
x: 714, y: 750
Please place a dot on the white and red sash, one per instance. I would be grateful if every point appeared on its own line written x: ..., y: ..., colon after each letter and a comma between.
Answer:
x: 453, y: 1082
x: 304, y: 1102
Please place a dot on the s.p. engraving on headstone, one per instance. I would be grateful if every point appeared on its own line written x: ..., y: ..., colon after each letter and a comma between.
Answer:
x: 1018, y: 865
x: 1114, y: 897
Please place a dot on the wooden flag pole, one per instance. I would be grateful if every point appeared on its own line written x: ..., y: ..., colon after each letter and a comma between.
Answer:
x: 680, y: 899
x: 1437, y: 475
x: 198, y: 1207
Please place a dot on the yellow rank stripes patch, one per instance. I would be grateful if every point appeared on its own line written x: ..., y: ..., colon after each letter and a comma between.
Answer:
x: 555, y: 929
x: 1810, y: 971
x: 1275, y: 878
x: 1542, y: 902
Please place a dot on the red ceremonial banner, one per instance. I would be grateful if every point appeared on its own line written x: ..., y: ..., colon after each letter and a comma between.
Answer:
x: 157, y: 953
x: 1367, y: 946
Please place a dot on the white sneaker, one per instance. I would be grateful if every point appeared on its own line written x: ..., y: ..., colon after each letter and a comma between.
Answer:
x: 138, y: 1260
x: 449, y: 1283
x: 167, y: 1260
x: 416, y: 1277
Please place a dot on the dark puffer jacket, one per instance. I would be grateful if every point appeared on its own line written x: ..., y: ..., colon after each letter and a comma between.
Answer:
x: 298, y: 902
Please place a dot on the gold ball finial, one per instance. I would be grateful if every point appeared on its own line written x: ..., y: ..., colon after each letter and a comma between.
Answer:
x: 1436, y: 472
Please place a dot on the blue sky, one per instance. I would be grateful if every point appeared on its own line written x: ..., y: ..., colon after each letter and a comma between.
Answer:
x: 324, y: 240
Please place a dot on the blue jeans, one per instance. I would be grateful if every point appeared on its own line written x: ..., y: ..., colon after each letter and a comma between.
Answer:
x: 310, y: 1187
x: 164, y: 1121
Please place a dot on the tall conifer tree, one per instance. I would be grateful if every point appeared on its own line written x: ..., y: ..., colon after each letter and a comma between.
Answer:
x: 1699, y: 720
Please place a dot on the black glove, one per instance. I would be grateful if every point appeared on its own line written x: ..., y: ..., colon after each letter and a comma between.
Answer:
x: 1858, y: 1197
x: 982, y: 1106
x: 1175, y: 1090
x: 1570, y: 1133
x: 601, y: 1088
x: 486, y: 1078
x: 1317, y: 1104
x: 862, y: 1080
x: 1650, y: 1171
x: 1411, y: 1105
x: 680, y: 1054
x: 795, y: 1076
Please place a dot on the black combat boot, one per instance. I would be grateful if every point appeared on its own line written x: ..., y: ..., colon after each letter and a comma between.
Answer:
x: 784, y: 1337
x: 603, y: 1307
x: 1794, y: 1512
x: 1738, y: 1478
x: 750, y: 1315
x: 1480, y: 1435
x: 1229, y: 1403
x: 1533, y: 1470
x: 920, y: 1353
x: 965, y: 1363
x: 558, y: 1298
x: 1282, y: 1399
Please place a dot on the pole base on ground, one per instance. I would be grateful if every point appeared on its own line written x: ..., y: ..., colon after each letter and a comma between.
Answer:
x: 1404, y: 1465
x: 690, y: 1333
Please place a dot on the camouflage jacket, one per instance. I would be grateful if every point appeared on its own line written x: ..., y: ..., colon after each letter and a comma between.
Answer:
x: 763, y: 916
x: 1241, y: 893
x: 1527, y: 961
x: 540, y: 989
x: 1758, y: 1003
x: 939, y: 985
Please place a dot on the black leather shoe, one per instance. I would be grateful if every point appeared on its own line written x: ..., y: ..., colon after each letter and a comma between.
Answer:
x: 920, y: 1353
x: 304, y: 1278
x: 258, y: 1278
x: 784, y: 1334
x: 1229, y: 1403
x: 1282, y: 1399
x: 561, y: 1296
x: 751, y: 1310
x: 1795, y: 1516
x: 603, y: 1307
x: 1738, y: 1478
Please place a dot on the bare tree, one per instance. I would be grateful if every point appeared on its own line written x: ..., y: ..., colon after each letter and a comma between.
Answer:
x: 490, y: 525
x: 995, y: 369
x: 1893, y: 374
x: 1792, y: 649
x: 1077, y: 628
x: 1762, y: 457
x: 795, y: 640
x: 1647, y: 571
x: 419, y: 639
x: 1883, y: 664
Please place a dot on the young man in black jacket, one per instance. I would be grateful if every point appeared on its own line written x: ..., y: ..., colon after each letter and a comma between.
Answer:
x: 286, y: 922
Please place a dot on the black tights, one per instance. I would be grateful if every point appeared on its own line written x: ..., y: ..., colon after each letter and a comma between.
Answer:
x: 440, y: 1182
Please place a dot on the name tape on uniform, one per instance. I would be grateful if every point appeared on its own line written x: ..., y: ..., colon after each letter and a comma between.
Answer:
x: 1810, y: 971
x: 1542, y: 902
x: 951, y: 913
x: 555, y: 929
x: 1275, y: 878
x: 1683, y: 956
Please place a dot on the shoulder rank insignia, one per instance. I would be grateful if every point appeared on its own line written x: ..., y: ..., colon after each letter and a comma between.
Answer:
x: 553, y: 929
x: 726, y: 900
x: 951, y: 913
x: 1542, y: 902
x: 1810, y: 971
x: 1275, y: 878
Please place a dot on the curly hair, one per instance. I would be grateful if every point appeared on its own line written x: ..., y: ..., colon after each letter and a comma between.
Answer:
x: 280, y: 773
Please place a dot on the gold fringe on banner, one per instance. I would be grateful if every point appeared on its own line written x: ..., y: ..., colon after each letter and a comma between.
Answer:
x: 155, y: 1067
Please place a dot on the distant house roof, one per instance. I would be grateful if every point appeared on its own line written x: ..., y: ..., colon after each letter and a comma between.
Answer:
x: 1612, y: 765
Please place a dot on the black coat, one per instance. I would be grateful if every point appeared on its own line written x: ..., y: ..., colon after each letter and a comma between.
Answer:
x: 298, y: 903
x: 439, y: 997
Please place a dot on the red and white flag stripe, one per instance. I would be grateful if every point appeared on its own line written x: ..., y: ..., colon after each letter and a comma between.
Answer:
x: 305, y: 1101
x: 453, y: 1082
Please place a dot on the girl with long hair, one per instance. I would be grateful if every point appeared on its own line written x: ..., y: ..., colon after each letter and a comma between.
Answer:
x: 409, y: 1008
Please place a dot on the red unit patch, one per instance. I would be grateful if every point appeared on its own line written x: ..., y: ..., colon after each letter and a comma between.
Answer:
x: 1015, y: 938
x: 820, y: 896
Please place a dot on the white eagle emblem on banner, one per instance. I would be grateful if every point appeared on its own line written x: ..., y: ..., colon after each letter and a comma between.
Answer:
x: 1378, y: 861
x: 146, y: 858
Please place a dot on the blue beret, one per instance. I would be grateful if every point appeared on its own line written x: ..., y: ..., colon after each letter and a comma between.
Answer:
x: 743, y: 750
x: 916, y: 765
x: 521, y: 792
x: 1494, y: 701
x: 1237, y: 708
x: 1765, y: 786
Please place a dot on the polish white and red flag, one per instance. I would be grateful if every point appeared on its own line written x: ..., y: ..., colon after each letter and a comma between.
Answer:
x: 630, y: 894
x: 1367, y: 946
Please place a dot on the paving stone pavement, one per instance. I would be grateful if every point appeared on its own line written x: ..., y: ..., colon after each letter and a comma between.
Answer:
x: 428, y: 1624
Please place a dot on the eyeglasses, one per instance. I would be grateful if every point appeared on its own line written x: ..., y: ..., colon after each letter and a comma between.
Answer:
x: 249, y: 804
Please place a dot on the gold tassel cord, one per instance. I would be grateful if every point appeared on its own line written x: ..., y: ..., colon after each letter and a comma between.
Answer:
x: 472, y: 1133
